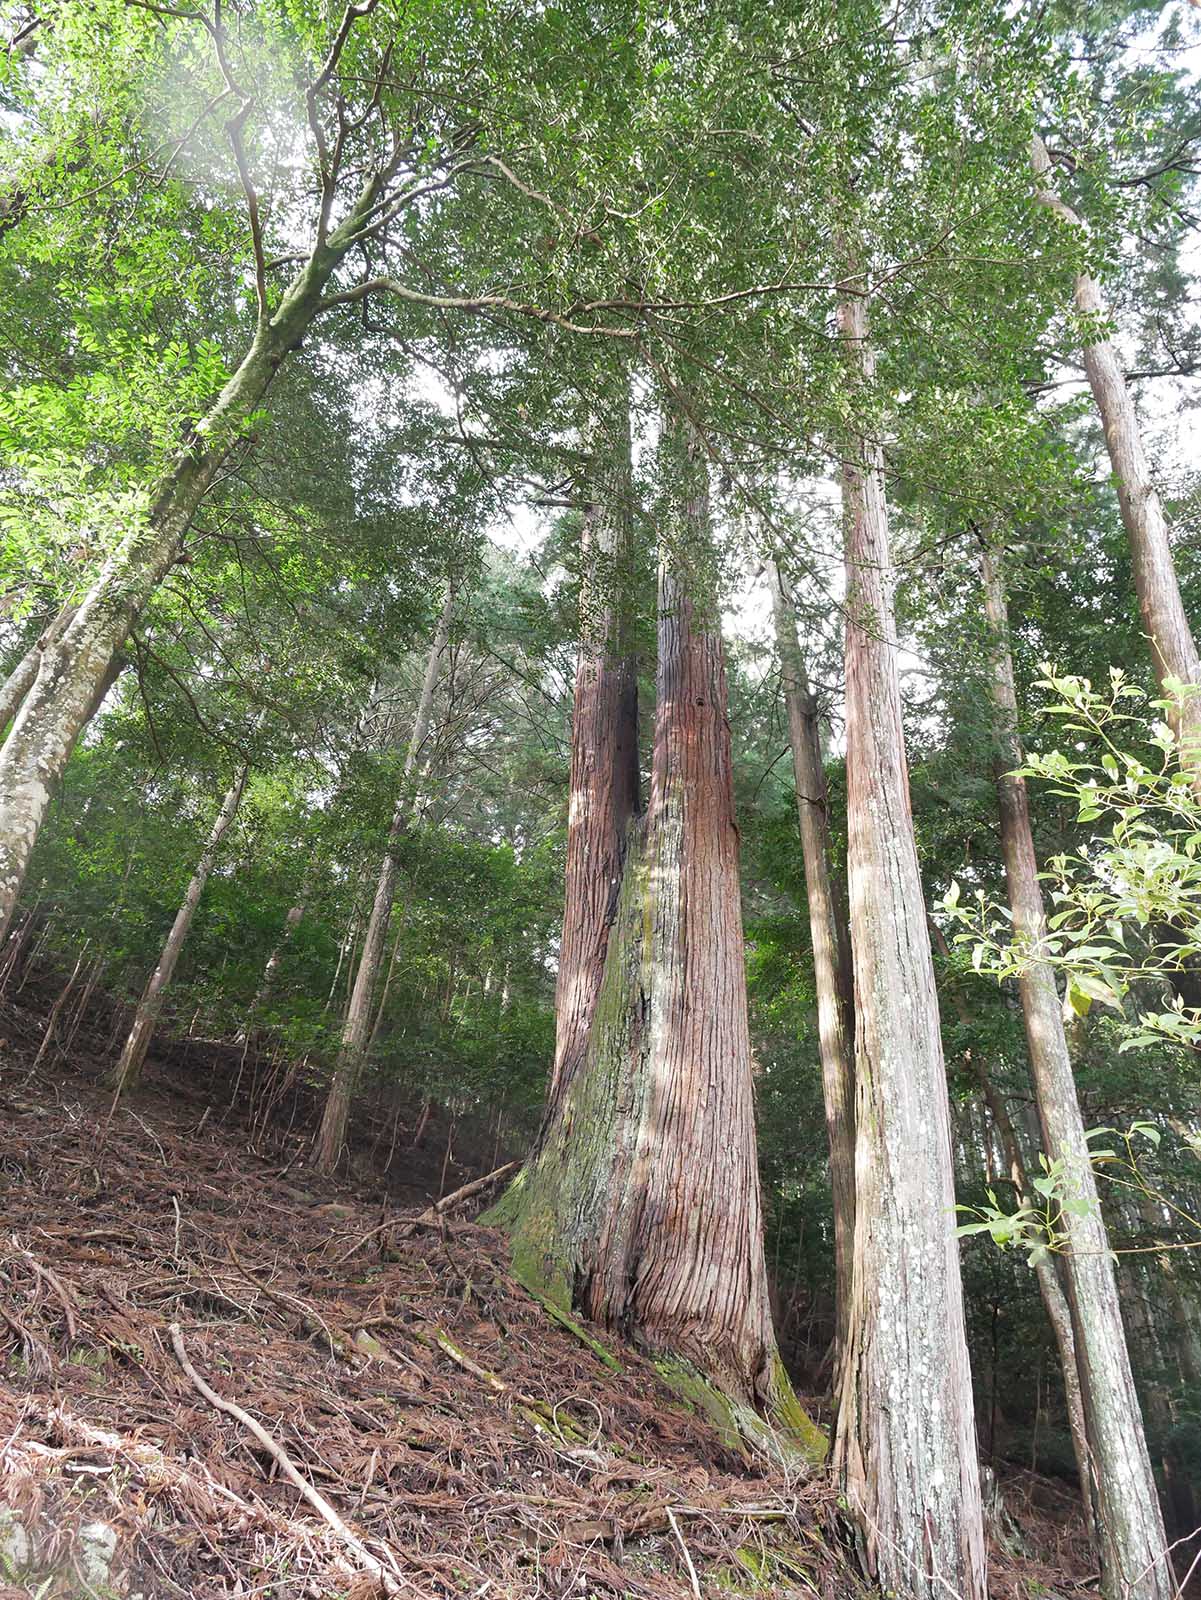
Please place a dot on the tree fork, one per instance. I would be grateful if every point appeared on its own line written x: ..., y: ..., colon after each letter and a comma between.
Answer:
x: 640, y: 1206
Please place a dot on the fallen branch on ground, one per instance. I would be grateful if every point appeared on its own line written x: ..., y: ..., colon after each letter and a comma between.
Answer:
x: 432, y: 1213
x: 389, y: 1575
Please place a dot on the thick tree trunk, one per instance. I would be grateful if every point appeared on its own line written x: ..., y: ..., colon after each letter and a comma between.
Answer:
x: 604, y: 756
x: 1173, y: 648
x: 1134, y: 1565
x: 831, y: 973
x: 331, y: 1137
x: 906, y: 1439
x: 74, y: 667
x: 129, y: 1067
x: 640, y: 1204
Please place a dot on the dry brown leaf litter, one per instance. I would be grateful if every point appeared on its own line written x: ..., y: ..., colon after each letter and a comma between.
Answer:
x: 467, y: 1444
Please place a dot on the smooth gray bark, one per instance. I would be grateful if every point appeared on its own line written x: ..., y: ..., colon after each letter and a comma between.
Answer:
x: 24, y: 675
x: 356, y: 1028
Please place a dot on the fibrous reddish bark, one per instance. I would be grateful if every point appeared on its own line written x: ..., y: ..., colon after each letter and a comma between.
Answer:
x: 604, y: 790
x: 906, y: 1438
x: 831, y: 951
x: 640, y: 1204
x: 1132, y: 1545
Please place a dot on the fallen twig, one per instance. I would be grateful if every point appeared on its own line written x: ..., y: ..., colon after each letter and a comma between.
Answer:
x: 476, y: 1186
x: 35, y: 1352
x: 389, y: 1575
x: 675, y: 1528
x: 49, y: 1277
x: 432, y: 1213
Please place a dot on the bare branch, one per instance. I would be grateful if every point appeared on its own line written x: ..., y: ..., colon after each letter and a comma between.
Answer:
x: 483, y: 302
x: 329, y: 164
x: 350, y: 16
x: 234, y: 128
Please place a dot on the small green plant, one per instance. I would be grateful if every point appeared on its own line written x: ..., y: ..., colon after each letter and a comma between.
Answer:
x: 1126, y: 905
x: 1037, y: 1226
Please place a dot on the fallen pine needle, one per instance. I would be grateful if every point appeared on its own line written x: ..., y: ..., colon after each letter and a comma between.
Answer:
x: 389, y: 1575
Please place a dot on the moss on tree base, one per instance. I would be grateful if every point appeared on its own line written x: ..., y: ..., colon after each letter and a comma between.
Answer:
x: 786, y: 1433
x: 784, y: 1430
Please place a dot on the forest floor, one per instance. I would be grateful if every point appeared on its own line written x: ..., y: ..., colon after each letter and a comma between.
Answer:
x: 411, y: 1420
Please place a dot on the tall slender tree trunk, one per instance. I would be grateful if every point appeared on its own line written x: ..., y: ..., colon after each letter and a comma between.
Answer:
x: 292, y: 921
x: 1055, y: 1301
x: 382, y: 1007
x: 1134, y: 1565
x: 832, y: 978
x: 75, y: 666
x: 1046, y: 1273
x: 640, y: 1204
x: 604, y: 792
x: 296, y: 913
x: 129, y: 1067
x: 1173, y: 647
x: 356, y: 1028
x: 906, y: 1437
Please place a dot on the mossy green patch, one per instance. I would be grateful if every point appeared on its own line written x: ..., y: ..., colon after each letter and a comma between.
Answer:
x: 706, y: 1399
x: 792, y: 1420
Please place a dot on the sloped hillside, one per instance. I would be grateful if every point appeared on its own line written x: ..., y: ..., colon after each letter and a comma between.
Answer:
x: 461, y: 1441
x: 222, y: 1375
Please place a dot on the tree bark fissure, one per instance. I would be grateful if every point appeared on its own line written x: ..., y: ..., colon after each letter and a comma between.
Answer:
x: 640, y: 1205
x: 906, y: 1442
x: 604, y: 783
